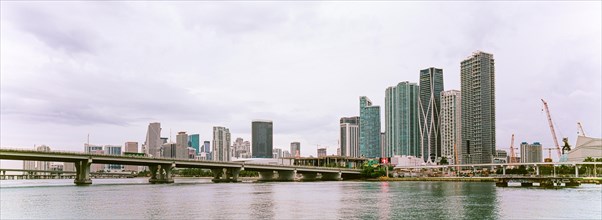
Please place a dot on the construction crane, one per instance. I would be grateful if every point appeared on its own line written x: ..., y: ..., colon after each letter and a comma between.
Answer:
x: 581, y: 129
x: 545, y: 105
x: 512, y: 153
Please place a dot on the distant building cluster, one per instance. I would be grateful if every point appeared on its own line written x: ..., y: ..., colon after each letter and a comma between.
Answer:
x: 424, y: 121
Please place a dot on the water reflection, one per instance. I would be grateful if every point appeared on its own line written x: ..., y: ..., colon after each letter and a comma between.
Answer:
x: 262, y: 202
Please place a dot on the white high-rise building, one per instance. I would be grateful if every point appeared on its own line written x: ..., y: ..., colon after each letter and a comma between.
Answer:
x: 221, y: 144
x: 350, y: 136
x: 451, y: 126
x: 152, y: 145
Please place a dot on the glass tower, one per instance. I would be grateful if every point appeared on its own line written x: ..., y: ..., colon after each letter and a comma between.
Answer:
x: 402, y: 131
x: 478, y: 108
x: 431, y: 86
x: 261, y: 139
x: 194, y: 142
x: 369, y: 129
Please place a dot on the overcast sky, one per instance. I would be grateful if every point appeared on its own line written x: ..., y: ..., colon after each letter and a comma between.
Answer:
x: 69, y: 69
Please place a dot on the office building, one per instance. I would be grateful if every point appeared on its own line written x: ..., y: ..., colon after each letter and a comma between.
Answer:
x: 277, y: 153
x: 221, y: 144
x: 192, y: 153
x: 478, y: 108
x: 261, y: 139
x: 194, y: 142
x: 38, y: 165
x: 241, y: 148
x: 113, y: 150
x: 169, y: 150
x: 130, y: 147
x: 383, y: 145
x: 531, y: 153
x: 153, y: 142
x: 321, y: 152
x: 369, y: 128
x: 296, y: 149
x: 350, y: 136
x: 402, y: 128
x: 451, y: 126
x: 286, y: 153
x: 182, y: 145
x: 431, y: 86
x: 207, y: 150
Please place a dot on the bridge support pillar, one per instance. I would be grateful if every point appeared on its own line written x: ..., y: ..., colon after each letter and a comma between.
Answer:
x: 504, y: 171
x: 266, y: 175
x: 217, y: 174
x: 309, y: 176
x: 161, y: 173
x: 286, y: 175
x: 331, y: 176
x: 536, y: 170
x: 82, y: 172
x: 233, y: 174
x: 576, y: 171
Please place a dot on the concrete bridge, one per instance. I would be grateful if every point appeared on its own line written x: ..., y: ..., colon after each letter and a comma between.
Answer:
x: 161, y: 168
x: 55, y: 174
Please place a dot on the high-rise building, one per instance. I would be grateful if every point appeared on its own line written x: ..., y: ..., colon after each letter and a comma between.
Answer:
x: 113, y: 150
x: 169, y: 150
x: 478, y: 108
x: 451, y: 126
x: 152, y: 144
x: 531, y: 153
x: 402, y: 129
x: 383, y: 145
x: 350, y: 136
x: 369, y: 128
x: 241, y: 148
x: 277, y: 153
x: 261, y: 139
x: 431, y: 86
x: 286, y: 153
x: 38, y: 165
x: 206, y: 151
x: 194, y: 142
x: 182, y: 145
x: 221, y: 144
x: 322, y: 152
x: 296, y: 149
x: 130, y: 147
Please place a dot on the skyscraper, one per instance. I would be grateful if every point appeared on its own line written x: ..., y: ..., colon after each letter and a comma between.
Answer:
x: 369, y: 128
x: 451, y: 126
x: 402, y: 130
x: 194, y: 142
x: 431, y: 86
x: 261, y: 139
x: 241, y: 148
x: 478, y: 108
x: 350, y: 136
x: 152, y: 145
x: 221, y: 144
x: 295, y: 149
x: 182, y: 145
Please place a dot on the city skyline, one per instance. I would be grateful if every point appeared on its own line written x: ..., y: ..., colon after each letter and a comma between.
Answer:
x: 58, y: 87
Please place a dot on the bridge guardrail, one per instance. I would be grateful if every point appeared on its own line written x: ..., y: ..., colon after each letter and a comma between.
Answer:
x: 62, y: 152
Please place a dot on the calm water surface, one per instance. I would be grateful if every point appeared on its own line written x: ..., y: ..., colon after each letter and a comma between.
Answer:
x: 201, y: 199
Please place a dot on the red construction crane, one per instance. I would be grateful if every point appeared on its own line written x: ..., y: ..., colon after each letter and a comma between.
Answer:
x: 545, y: 105
x: 512, y: 153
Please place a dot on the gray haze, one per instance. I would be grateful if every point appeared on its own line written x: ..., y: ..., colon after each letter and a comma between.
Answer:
x: 69, y: 69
